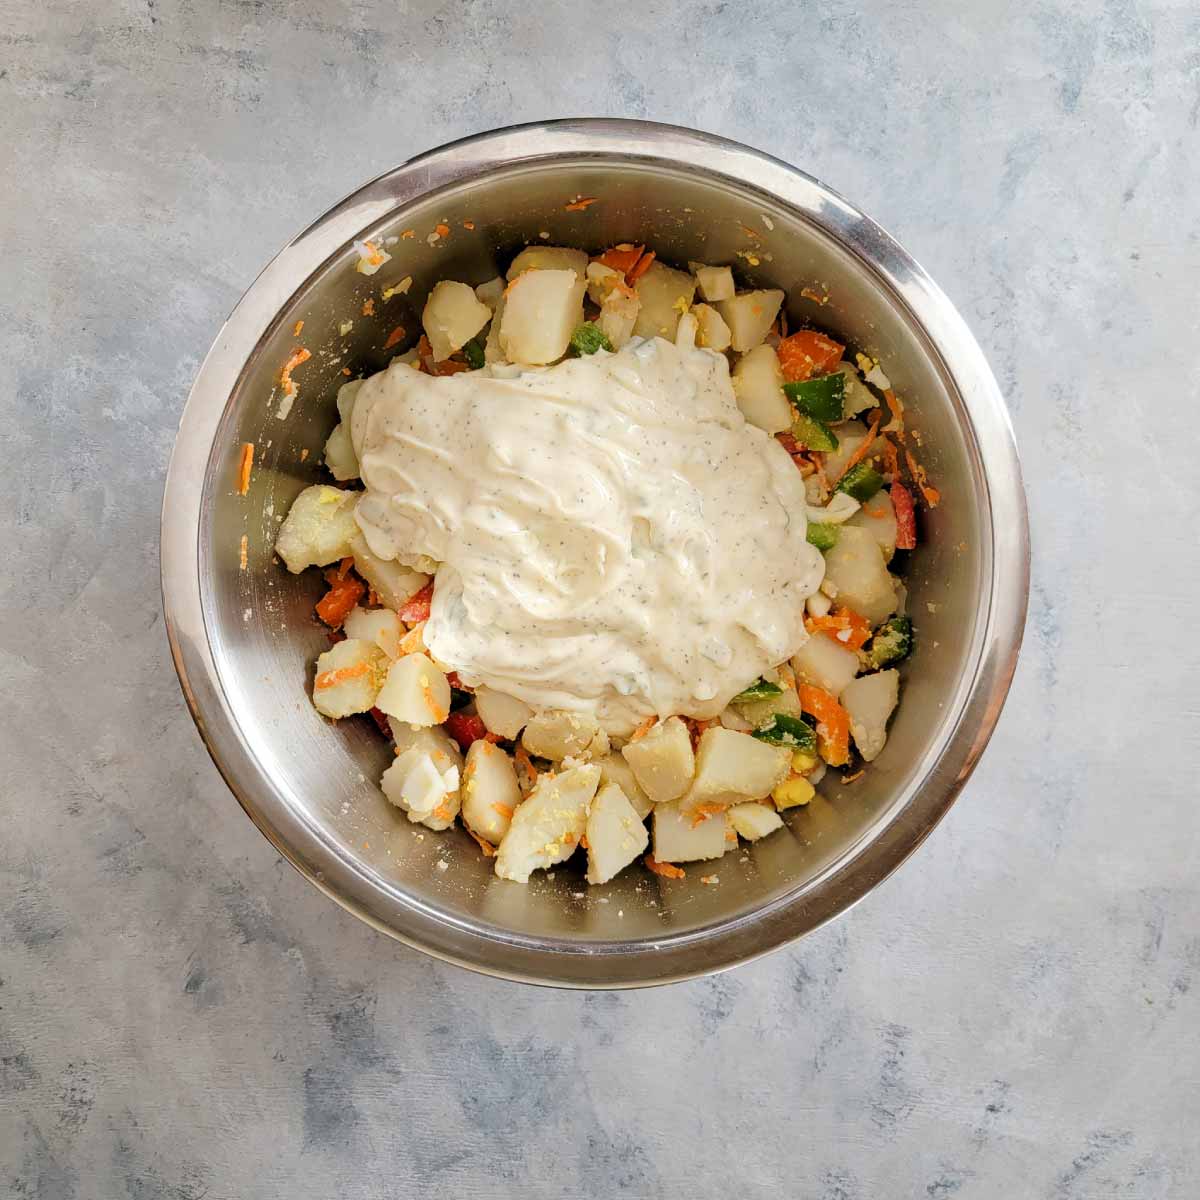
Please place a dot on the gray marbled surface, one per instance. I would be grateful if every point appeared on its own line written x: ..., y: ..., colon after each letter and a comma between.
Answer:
x: 1013, y: 1015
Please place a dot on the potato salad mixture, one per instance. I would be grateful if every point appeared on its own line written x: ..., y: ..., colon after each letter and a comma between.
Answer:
x: 620, y: 557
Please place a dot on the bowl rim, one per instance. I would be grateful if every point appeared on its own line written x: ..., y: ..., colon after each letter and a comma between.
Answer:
x: 914, y: 812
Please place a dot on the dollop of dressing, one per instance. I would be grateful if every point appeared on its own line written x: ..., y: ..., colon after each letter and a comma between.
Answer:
x: 614, y: 537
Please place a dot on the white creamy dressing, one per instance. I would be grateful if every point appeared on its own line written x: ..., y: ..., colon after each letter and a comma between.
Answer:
x: 614, y: 537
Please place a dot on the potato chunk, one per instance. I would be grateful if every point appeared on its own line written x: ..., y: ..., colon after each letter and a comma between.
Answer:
x: 394, y: 583
x: 870, y: 701
x: 825, y: 663
x: 348, y: 677
x: 489, y: 293
x: 614, y: 769
x: 318, y: 528
x: 749, y: 316
x: 662, y: 761
x: 339, y: 453
x: 713, y: 332
x: 679, y: 837
x: 754, y: 821
x: 856, y: 567
x: 758, y: 386
x: 715, y: 283
x: 504, y: 715
x: 758, y: 712
x: 665, y: 295
x: 415, y: 691
x: 547, y: 827
x: 557, y: 734
x: 378, y: 625
x: 453, y: 315
x: 878, y: 516
x: 615, y: 834
x: 549, y: 258
x: 541, y: 311
x: 490, y: 791
x: 857, y: 397
x: 732, y: 767
x: 428, y: 792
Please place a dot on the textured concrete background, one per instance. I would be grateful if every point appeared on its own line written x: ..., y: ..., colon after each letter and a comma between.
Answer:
x: 1013, y: 1015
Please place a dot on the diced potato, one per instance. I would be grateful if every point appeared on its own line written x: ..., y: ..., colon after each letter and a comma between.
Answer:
x: 490, y: 791
x: 878, y: 516
x: 615, y: 834
x: 686, y: 331
x: 679, y: 837
x: 870, y: 701
x: 378, y: 625
x: 715, y: 283
x: 749, y: 316
x: 541, y: 311
x: 618, y: 317
x: 602, y: 281
x: 758, y: 712
x: 732, y: 719
x: 825, y: 663
x: 347, y: 395
x: 491, y: 348
x: 348, y: 677
x: 758, y: 386
x: 318, y: 528
x: 732, y: 767
x: 549, y: 258
x: 714, y: 333
x: 504, y: 715
x: 665, y: 295
x: 857, y: 396
x: 489, y: 293
x: 415, y: 691
x: 856, y: 569
x: 339, y: 453
x: 614, y: 769
x: 850, y: 436
x: 754, y: 821
x: 547, y: 827
x: 394, y: 583
x: 428, y: 792
x: 556, y: 734
x: 662, y: 760
x: 453, y: 316
x: 430, y: 739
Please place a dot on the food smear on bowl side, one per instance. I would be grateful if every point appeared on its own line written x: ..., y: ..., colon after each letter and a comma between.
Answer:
x: 614, y: 537
x: 619, y: 578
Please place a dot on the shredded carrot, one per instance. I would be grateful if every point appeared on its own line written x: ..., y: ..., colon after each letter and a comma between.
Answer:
x: 851, y: 778
x: 345, y: 370
x: 328, y: 679
x: 752, y: 233
x: 815, y: 297
x: 296, y: 328
x: 842, y: 621
x: 704, y: 811
x: 368, y: 308
x: 468, y: 224
x: 298, y: 356
x: 580, y: 204
x: 833, y: 724
x: 397, y: 335
x: 623, y: 257
x: 504, y: 810
x: 245, y: 465
x: 243, y: 552
x: 304, y: 454
x: 640, y: 268
x: 409, y: 233
x: 891, y: 458
x: 489, y: 851
x: 861, y: 451
x: 441, y: 230
x: 896, y: 408
x: 932, y: 496
x: 666, y: 870
x: 643, y: 729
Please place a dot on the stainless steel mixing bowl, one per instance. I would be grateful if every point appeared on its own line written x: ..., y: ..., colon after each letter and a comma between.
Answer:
x: 244, y: 639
